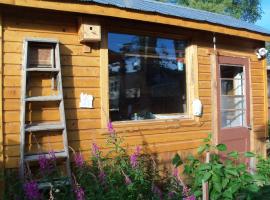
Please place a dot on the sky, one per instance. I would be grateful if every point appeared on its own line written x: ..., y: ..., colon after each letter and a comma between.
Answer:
x: 265, y: 20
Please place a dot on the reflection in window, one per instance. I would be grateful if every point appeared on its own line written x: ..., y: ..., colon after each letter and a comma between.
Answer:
x: 147, y: 77
x: 233, y: 105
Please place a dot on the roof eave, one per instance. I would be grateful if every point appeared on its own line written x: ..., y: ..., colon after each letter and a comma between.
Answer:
x: 106, y: 10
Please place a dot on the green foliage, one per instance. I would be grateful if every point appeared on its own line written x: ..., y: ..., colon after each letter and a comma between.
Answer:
x: 177, y: 161
x: 117, y: 176
x: 247, y: 10
x: 227, y: 177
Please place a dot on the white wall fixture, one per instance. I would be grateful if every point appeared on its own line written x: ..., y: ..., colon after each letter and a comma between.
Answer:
x: 86, y: 101
x: 261, y: 53
x: 197, y: 107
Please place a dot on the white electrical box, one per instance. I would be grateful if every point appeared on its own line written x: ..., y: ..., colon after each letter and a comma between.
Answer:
x: 89, y: 31
x: 197, y: 107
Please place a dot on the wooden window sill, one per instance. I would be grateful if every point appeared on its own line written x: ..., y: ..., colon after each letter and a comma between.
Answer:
x: 181, y: 120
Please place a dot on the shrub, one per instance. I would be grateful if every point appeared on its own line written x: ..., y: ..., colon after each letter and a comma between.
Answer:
x: 119, y: 176
x: 227, y: 178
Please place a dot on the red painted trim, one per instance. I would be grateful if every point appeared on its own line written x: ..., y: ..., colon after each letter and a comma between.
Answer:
x: 244, y: 62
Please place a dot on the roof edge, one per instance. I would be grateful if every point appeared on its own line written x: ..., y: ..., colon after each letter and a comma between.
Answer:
x: 124, y: 13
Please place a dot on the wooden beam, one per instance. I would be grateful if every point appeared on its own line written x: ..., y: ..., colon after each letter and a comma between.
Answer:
x: 110, y: 11
x: 213, y: 58
x: 1, y: 107
x: 266, y: 120
x: 104, y: 79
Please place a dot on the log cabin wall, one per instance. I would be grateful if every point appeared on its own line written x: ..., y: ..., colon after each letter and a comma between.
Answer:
x: 81, y: 73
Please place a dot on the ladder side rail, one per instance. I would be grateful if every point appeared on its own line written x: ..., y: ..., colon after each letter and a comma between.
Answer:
x: 53, y: 66
x: 23, y: 102
x: 62, y: 109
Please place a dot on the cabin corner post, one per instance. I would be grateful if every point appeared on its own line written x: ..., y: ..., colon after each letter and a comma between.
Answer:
x: 213, y: 65
x: 1, y: 107
x: 265, y: 104
x: 104, y: 78
x: 192, y: 78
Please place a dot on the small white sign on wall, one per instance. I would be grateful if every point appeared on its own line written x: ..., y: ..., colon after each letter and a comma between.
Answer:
x: 197, y: 107
x: 86, y: 101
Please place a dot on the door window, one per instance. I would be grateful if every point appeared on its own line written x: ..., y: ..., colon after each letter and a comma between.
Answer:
x: 233, y: 100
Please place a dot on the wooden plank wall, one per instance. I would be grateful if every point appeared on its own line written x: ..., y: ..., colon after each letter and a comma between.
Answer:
x: 81, y: 73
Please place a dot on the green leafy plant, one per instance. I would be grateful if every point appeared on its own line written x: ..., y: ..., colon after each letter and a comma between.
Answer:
x: 227, y: 177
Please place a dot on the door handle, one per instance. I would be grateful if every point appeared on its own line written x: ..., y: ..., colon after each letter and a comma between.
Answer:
x: 249, y: 127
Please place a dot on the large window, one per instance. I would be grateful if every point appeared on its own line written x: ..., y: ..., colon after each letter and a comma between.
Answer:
x: 147, y: 77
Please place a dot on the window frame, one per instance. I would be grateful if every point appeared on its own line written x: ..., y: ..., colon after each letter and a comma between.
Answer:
x: 191, y: 75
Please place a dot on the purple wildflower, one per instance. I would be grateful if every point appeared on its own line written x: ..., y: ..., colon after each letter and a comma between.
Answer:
x: 78, y: 158
x: 134, y: 157
x: 79, y: 192
x: 52, y: 156
x: 186, y: 191
x: 95, y: 150
x: 102, y: 177
x: 192, y: 197
x: 171, y: 195
x: 157, y: 192
x: 127, y: 180
x: 110, y: 128
x: 44, y: 163
x: 31, y: 190
x: 175, y: 173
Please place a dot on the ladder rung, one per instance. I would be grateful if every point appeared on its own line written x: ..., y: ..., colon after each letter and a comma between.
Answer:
x: 42, y: 69
x: 46, y: 185
x: 35, y: 157
x: 44, y: 126
x: 44, y: 98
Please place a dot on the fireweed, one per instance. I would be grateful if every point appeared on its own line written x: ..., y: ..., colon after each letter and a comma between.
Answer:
x: 78, y: 159
x: 31, y: 190
x: 95, y: 150
x: 134, y: 157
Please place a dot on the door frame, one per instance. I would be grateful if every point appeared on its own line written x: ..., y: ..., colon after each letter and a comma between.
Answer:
x: 234, y: 61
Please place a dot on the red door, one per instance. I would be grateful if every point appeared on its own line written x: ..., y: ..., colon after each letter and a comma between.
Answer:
x: 233, y: 103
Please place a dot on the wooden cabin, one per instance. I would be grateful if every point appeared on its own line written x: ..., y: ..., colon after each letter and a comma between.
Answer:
x: 165, y: 75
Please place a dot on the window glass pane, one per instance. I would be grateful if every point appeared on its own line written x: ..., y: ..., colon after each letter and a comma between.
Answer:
x: 147, y: 76
x: 232, y: 118
x: 233, y: 102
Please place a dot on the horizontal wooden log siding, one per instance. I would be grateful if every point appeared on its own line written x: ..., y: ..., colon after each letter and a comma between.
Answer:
x: 81, y: 73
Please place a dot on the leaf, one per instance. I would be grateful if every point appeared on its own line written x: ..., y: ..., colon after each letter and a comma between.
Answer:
x: 217, y: 183
x: 204, y: 166
x: 177, y: 161
x: 231, y: 172
x: 225, y: 182
x: 221, y: 147
x: 207, y: 176
x: 208, y: 139
x: 235, y: 187
x: 249, y: 154
x: 253, y: 188
x: 228, y: 194
x: 233, y: 154
x: 201, y: 149
x: 198, y: 193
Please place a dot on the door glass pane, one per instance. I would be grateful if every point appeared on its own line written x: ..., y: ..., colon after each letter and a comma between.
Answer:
x: 233, y: 103
x: 232, y: 118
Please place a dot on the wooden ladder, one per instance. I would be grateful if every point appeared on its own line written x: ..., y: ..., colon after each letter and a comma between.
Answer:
x: 53, y: 68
